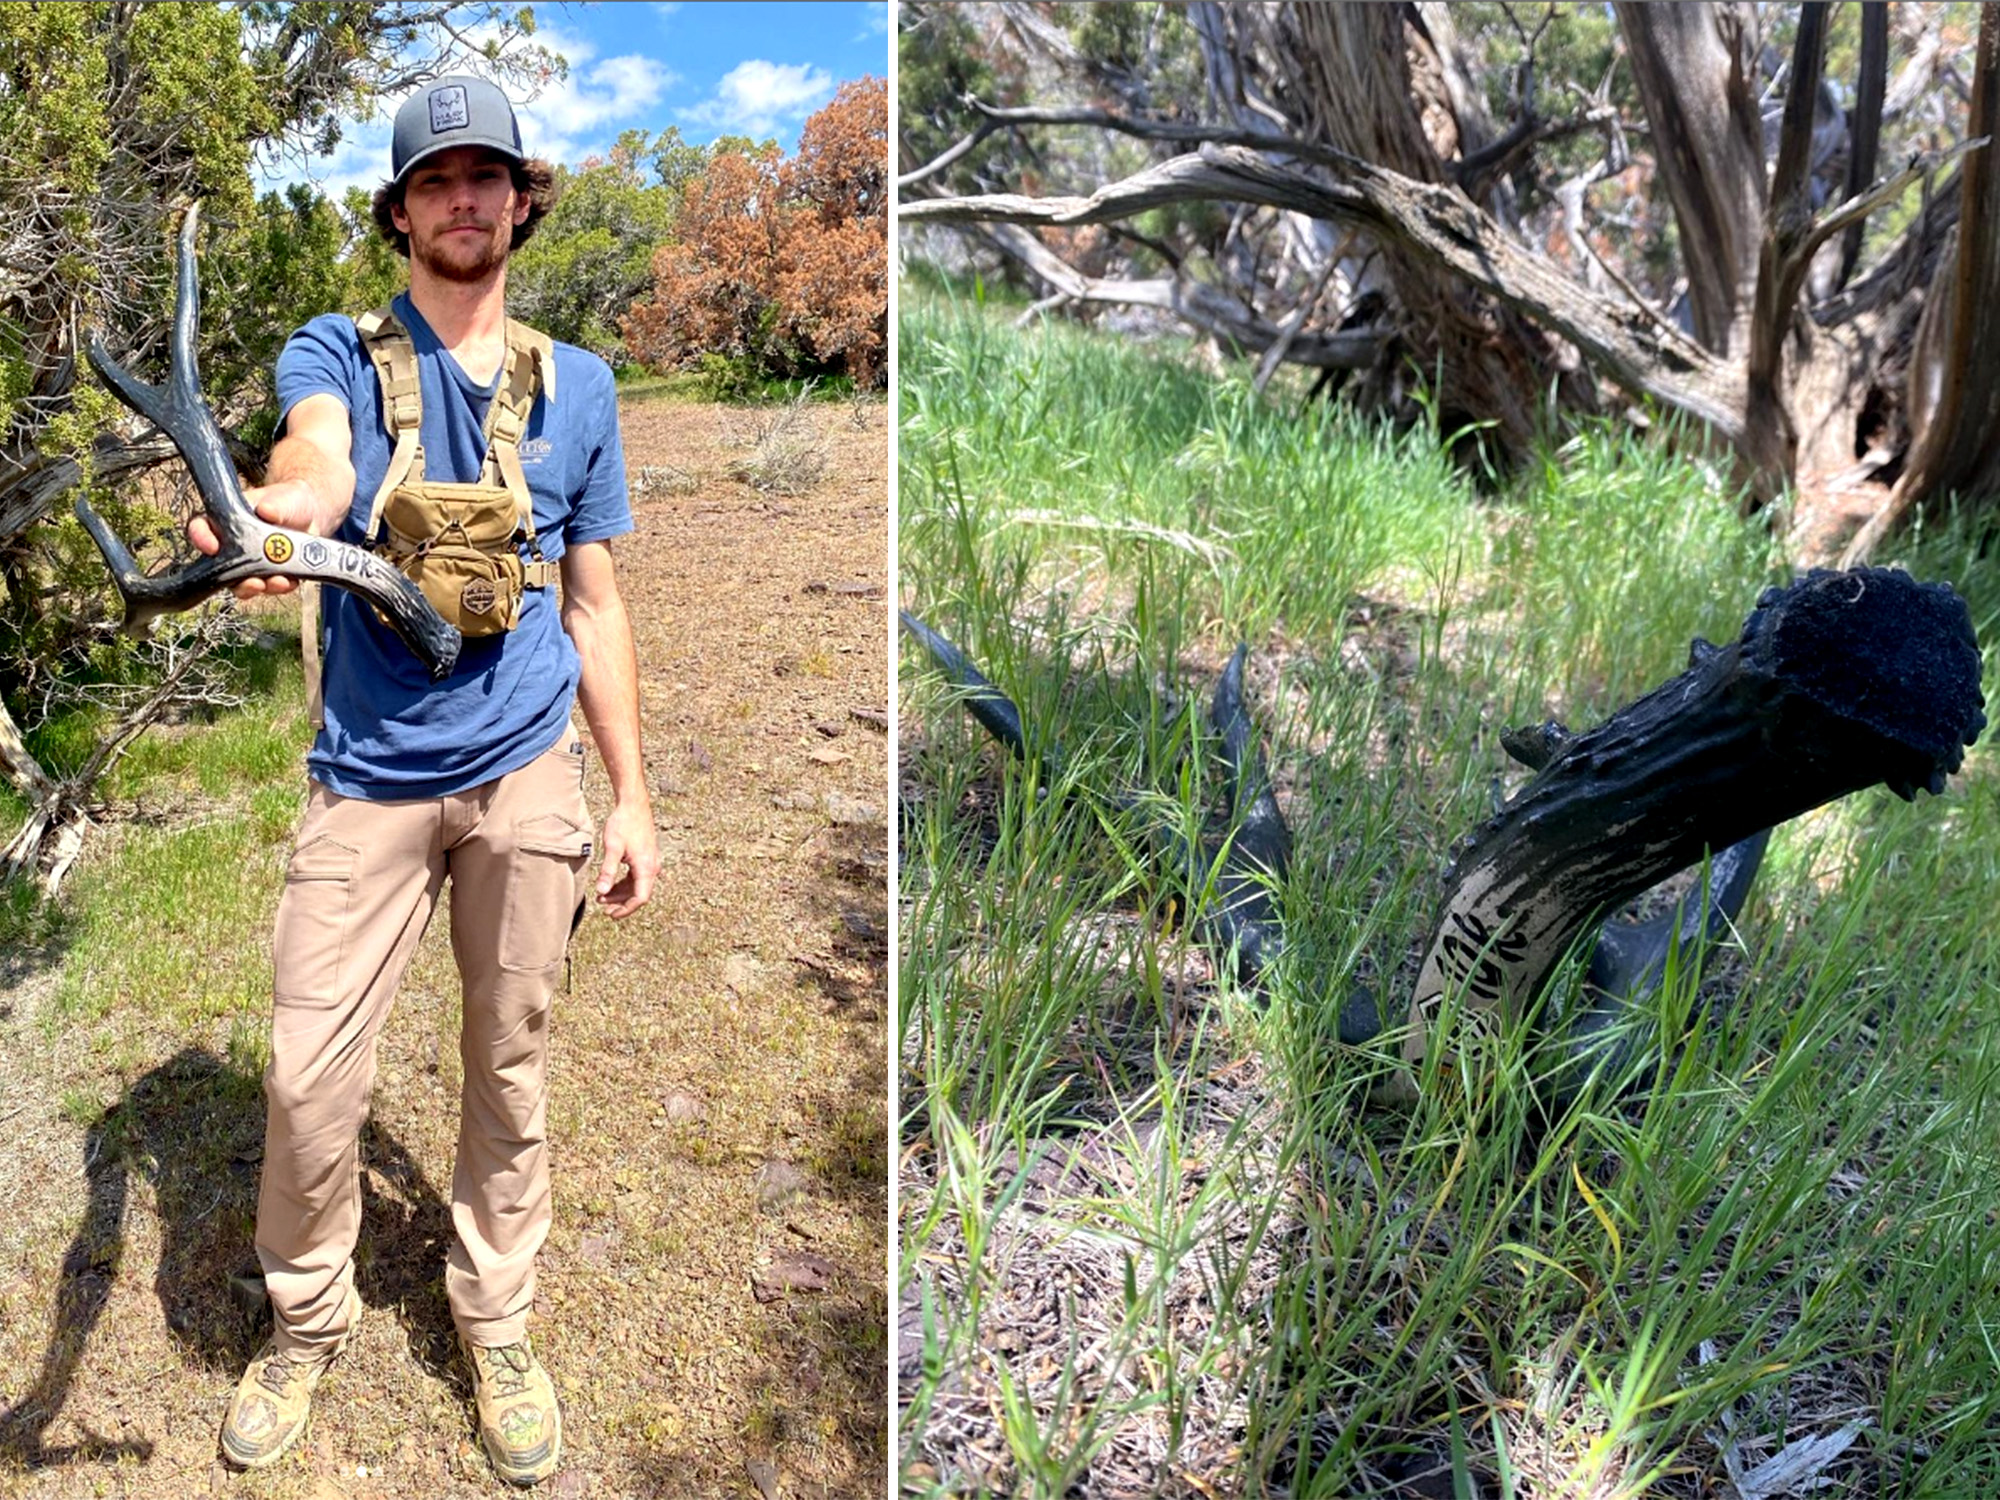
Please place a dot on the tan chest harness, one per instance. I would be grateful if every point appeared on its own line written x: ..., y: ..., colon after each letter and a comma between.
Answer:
x: 460, y: 543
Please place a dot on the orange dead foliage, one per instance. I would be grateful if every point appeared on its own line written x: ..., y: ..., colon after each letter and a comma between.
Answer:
x: 782, y: 262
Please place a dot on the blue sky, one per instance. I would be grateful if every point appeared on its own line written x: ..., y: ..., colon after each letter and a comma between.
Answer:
x: 711, y: 69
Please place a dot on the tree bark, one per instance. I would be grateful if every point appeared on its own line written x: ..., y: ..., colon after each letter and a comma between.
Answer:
x: 1865, y: 124
x: 1955, y: 374
x: 1694, y: 71
x: 35, y: 481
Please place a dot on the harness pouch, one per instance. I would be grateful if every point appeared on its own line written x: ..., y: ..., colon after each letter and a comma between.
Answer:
x: 456, y: 543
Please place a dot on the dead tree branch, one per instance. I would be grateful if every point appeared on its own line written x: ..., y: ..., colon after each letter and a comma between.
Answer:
x: 1431, y: 220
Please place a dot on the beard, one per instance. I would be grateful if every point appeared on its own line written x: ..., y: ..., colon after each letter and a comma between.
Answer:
x: 462, y: 258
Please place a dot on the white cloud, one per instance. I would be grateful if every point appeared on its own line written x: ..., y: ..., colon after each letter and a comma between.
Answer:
x: 876, y: 18
x: 755, y: 98
x: 570, y: 119
x: 581, y: 115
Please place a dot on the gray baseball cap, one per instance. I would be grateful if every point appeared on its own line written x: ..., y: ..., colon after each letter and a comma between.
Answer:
x: 458, y: 110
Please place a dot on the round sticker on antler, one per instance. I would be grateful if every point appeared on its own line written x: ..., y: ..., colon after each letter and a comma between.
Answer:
x: 278, y: 548
x: 477, y: 596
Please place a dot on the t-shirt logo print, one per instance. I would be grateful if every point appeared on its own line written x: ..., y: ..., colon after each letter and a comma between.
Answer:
x: 450, y: 109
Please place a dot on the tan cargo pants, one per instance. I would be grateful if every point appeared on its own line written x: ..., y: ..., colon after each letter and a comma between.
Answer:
x: 362, y: 884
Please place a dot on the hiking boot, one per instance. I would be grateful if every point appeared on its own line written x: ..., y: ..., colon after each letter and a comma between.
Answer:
x: 520, y: 1426
x: 268, y: 1413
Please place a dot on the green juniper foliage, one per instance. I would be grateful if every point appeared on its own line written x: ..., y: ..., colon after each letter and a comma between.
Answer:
x: 1152, y: 1226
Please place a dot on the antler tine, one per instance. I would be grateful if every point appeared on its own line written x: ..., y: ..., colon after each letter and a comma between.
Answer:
x: 177, y: 408
x: 183, y: 379
x: 249, y: 546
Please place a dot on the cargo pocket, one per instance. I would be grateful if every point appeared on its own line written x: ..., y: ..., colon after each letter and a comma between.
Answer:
x: 311, y: 936
x: 544, y: 888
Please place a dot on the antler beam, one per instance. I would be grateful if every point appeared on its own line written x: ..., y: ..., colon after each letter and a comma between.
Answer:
x: 1839, y: 682
x: 251, y: 547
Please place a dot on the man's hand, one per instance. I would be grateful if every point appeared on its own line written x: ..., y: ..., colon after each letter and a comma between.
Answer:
x: 312, y: 482
x: 288, y: 503
x: 630, y: 846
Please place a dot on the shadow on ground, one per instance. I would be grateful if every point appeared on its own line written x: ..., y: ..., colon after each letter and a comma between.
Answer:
x: 193, y: 1128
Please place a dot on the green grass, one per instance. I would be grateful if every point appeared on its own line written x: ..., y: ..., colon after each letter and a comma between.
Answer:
x: 166, y: 922
x: 1153, y: 1233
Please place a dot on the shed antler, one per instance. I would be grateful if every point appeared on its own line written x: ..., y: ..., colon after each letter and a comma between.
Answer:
x: 251, y: 546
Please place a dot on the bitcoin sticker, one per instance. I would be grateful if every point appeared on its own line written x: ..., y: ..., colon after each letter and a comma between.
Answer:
x: 278, y: 548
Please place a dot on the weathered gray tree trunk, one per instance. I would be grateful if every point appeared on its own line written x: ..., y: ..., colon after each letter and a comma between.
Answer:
x: 1696, y: 75
x: 1371, y: 84
x: 1955, y: 374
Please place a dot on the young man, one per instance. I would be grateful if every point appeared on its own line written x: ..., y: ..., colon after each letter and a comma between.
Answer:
x: 486, y: 461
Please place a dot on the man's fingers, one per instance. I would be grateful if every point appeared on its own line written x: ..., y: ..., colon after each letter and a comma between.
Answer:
x: 614, y: 863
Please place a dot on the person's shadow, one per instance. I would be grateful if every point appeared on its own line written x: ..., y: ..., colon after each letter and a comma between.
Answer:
x: 194, y: 1128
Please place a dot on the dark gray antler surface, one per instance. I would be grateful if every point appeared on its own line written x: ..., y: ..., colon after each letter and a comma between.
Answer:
x: 251, y: 547
x: 994, y: 710
x: 1241, y: 925
x: 1839, y: 682
x: 1245, y: 919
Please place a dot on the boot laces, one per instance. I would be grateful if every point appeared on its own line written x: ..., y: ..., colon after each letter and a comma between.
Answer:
x: 278, y: 1373
x: 506, y: 1368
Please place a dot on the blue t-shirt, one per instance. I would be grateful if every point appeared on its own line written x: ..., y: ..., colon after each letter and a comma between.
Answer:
x: 390, y: 731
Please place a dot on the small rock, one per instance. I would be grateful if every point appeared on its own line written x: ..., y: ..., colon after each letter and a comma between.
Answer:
x: 874, y: 718
x: 740, y: 972
x: 764, y: 1476
x: 698, y: 756
x: 851, y: 812
x: 796, y: 801
x: 831, y: 728
x: 828, y: 757
x: 596, y: 1249
x: 681, y: 1106
x: 778, y: 1183
x: 798, y: 1271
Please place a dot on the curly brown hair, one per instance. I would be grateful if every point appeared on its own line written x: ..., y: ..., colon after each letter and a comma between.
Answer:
x: 534, y: 178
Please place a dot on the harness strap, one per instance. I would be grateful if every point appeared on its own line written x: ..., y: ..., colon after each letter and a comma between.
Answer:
x: 395, y: 360
x: 529, y: 371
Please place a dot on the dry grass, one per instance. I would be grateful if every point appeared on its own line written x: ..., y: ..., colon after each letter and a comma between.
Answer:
x: 788, y: 452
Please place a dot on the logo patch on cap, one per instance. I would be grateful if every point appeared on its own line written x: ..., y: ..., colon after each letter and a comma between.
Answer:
x: 450, y: 110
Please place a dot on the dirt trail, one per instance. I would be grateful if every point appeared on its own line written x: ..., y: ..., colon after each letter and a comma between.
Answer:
x: 712, y: 1298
